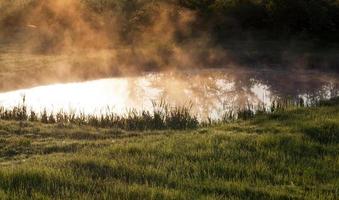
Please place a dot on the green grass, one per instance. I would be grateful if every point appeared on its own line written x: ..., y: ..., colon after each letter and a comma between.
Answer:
x: 286, y: 155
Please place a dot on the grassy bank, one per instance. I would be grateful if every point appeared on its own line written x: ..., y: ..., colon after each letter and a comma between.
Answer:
x: 286, y: 155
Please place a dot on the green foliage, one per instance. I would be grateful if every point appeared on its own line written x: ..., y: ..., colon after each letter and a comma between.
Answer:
x: 288, y: 17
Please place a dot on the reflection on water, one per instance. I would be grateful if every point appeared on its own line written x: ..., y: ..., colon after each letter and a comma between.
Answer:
x: 210, y: 91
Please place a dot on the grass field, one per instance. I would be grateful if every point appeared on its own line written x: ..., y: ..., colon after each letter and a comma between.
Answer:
x: 285, y: 155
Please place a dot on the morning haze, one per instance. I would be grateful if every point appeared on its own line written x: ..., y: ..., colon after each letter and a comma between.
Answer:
x: 169, y: 99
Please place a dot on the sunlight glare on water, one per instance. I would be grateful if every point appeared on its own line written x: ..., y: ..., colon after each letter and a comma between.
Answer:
x: 211, y: 92
x: 88, y: 97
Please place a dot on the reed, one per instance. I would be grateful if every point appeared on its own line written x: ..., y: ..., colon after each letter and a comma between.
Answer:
x: 163, y: 115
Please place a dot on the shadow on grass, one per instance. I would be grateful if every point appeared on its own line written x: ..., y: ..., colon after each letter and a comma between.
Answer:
x: 327, y: 133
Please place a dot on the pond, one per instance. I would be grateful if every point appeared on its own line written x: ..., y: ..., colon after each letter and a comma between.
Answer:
x: 210, y: 92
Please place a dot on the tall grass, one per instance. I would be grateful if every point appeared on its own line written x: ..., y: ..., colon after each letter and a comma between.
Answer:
x: 163, y: 115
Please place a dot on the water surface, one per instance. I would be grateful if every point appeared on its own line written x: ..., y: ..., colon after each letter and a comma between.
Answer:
x: 211, y: 92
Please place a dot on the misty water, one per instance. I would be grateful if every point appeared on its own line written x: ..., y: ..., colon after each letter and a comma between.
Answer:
x: 210, y: 92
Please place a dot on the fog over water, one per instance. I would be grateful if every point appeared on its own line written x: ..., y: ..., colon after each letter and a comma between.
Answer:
x: 211, y: 92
